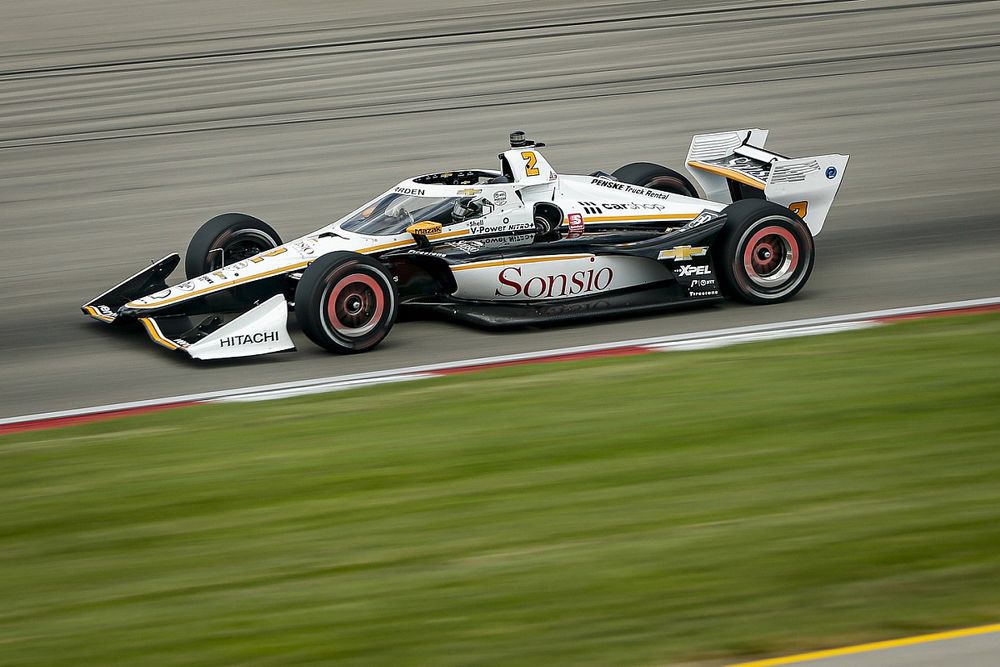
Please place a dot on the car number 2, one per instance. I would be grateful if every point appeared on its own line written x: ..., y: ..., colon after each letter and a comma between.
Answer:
x: 529, y: 163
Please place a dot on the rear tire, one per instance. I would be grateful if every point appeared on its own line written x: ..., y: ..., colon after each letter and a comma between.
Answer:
x: 765, y: 252
x: 346, y: 302
x: 655, y: 177
x: 240, y: 237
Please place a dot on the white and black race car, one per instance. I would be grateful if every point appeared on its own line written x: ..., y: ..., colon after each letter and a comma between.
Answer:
x: 518, y: 245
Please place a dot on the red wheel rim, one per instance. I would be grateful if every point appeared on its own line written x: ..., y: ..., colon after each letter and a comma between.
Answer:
x: 354, y: 305
x: 771, y: 256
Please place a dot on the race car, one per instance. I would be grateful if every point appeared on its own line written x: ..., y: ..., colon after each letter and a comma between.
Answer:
x: 518, y: 245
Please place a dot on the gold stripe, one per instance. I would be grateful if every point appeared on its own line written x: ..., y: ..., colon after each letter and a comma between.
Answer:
x: 400, y: 244
x: 154, y: 333
x: 93, y: 312
x: 216, y: 288
x: 287, y: 269
x: 512, y: 261
x: 636, y: 218
x: 385, y: 246
x: 448, y: 235
x: 729, y: 173
x: 874, y: 646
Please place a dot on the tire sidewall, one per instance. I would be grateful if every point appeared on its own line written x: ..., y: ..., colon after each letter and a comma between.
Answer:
x: 222, y: 231
x: 315, y: 291
x: 644, y: 173
x: 747, y: 222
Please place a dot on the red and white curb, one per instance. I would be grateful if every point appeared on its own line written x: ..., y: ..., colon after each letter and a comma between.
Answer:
x: 677, y: 342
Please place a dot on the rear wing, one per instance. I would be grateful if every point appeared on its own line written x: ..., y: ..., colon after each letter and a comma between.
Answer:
x: 733, y: 165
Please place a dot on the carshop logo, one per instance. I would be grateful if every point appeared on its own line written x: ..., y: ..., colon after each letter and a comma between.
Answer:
x: 554, y: 285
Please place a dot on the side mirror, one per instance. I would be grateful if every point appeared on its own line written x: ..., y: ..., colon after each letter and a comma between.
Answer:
x: 421, y: 230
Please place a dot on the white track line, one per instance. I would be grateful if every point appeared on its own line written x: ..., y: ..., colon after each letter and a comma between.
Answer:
x: 687, y: 341
x: 334, y: 384
x: 709, y: 341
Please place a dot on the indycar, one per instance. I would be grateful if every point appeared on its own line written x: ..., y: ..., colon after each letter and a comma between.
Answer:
x: 517, y: 245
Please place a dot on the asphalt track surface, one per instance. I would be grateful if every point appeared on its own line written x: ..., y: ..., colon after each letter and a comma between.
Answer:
x: 124, y: 124
x: 957, y: 648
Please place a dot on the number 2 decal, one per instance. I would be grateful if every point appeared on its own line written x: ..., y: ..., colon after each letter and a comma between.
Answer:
x: 529, y: 163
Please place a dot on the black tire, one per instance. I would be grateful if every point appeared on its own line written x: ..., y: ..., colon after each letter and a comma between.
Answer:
x: 764, y: 254
x: 240, y: 236
x: 548, y: 218
x: 656, y: 177
x: 346, y: 302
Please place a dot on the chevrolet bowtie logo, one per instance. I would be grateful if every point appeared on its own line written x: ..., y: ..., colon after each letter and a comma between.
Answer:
x: 682, y: 253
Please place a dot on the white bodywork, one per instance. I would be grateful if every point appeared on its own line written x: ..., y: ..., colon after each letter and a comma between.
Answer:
x: 261, y: 330
x: 507, y: 208
x: 554, y: 276
x: 595, y: 200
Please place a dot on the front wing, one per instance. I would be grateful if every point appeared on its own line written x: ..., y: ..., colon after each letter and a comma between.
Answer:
x: 262, y: 329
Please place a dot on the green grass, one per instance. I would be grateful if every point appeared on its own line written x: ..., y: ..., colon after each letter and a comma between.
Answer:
x: 753, y: 500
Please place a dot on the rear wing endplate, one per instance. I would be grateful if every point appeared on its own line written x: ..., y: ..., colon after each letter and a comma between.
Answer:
x: 734, y: 165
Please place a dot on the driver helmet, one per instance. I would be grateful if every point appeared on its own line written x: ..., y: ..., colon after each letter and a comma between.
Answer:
x: 467, y: 208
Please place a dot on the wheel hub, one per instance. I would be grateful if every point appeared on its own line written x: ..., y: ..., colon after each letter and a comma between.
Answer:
x: 355, y: 305
x: 767, y: 256
x: 771, y: 256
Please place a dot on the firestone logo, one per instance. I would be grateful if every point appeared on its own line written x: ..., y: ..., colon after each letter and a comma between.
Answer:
x: 554, y: 285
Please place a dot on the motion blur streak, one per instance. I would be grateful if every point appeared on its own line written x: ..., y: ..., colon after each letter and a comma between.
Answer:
x: 125, y: 125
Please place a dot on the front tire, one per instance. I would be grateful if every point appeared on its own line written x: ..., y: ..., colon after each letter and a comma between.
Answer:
x: 239, y: 236
x: 765, y: 254
x: 655, y: 177
x: 346, y: 302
